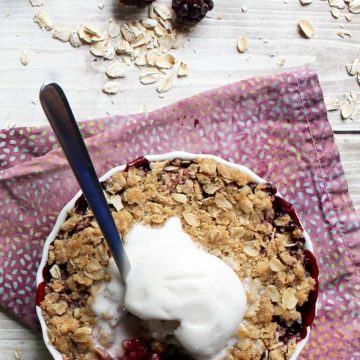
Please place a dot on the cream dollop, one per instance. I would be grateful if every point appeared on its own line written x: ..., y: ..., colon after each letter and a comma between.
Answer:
x: 172, y: 278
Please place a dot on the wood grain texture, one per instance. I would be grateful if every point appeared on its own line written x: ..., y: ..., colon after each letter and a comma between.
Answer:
x: 210, y: 51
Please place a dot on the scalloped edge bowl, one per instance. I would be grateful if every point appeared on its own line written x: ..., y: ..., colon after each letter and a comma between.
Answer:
x: 63, y: 214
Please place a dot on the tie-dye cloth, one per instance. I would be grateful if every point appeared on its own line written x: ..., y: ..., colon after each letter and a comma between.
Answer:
x: 276, y: 125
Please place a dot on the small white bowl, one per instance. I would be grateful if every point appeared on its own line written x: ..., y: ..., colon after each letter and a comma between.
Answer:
x: 70, y: 205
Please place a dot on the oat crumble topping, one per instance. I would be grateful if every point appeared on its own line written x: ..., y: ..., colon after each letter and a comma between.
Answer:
x: 224, y: 211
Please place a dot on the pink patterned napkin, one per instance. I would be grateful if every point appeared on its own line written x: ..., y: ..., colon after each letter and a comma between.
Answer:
x: 276, y: 125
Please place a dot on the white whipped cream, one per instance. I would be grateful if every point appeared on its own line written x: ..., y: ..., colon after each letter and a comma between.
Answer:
x: 172, y: 278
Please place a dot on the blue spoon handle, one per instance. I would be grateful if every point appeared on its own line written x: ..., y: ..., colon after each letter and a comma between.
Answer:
x: 61, y: 118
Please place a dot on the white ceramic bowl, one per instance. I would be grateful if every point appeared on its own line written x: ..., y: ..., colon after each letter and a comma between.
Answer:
x: 63, y: 214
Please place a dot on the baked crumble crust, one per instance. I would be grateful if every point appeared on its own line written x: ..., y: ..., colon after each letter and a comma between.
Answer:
x: 224, y: 211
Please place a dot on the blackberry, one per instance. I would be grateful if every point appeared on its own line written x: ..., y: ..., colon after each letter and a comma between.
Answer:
x: 138, y: 3
x: 189, y: 12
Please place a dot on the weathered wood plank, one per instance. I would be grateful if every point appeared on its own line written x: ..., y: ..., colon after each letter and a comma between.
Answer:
x: 216, y: 61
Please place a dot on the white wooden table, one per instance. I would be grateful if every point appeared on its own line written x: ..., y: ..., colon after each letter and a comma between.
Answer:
x: 210, y: 51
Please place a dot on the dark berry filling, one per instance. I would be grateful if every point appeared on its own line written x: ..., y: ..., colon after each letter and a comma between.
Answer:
x: 140, y: 163
x: 282, y: 206
x: 309, y: 308
x: 136, y: 349
x: 81, y: 205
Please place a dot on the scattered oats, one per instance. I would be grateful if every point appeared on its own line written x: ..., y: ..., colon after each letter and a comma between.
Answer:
x: 243, y: 44
x: 137, y: 51
x: 17, y: 353
x: 98, y: 48
x: 305, y: 2
x: 159, y: 31
x: 151, y: 56
x: 111, y: 87
x: 343, y: 34
x: 117, y: 69
x: 43, y: 20
x: 154, y: 44
x: 348, y: 17
x: 306, y: 28
x: 353, y: 68
x: 289, y: 299
x: 37, y: 3
x: 109, y: 53
x: 347, y: 109
x: 152, y: 14
x: 332, y: 103
x: 244, y: 9
x: 281, y: 62
x: 165, y: 61
x: 142, y: 40
x: 335, y: 12
x: 352, y: 96
x: 123, y: 47
x: 163, y: 11
x: 337, y: 3
x: 141, y: 59
x: 74, y: 39
x: 354, y: 6
x: 191, y: 219
x: 25, y: 58
x: 101, y: 5
x: 149, y: 23
x: 114, y: 29
x: 183, y: 70
x: 55, y: 272
x: 165, y: 43
x: 166, y: 24
x: 61, y: 34
x: 341, y: 26
x: 130, y: 32
x: 9, y: 124
x: 91, y: 33
x: 127, y: 59
x: 149, y: 75
x: 165, y: 83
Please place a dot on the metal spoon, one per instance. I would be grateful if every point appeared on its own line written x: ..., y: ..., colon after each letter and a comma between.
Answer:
x: 61, y: 118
